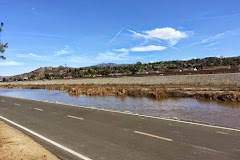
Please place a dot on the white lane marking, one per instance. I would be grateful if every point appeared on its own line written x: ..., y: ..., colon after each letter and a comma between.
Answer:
x: 48, y: 140
x: 2, y: 101
x: 204, y: 149
x: 75, y: 117
x: 221, y: 132
x: 16, y: 104
x: 38, y: 109
x: 135, y: 114
x: 151, y: 135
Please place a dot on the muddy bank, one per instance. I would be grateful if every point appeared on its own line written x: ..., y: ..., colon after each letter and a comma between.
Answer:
x: 222, y: 93
x: 16, y: 146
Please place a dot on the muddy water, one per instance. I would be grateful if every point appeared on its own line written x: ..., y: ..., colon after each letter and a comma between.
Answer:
x: 217, y: 113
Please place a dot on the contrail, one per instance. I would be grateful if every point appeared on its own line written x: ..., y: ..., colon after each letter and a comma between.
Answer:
x: 116, y: 35
x: 138, y: 34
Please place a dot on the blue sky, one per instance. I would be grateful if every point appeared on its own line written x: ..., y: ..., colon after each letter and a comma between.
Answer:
x: 80, y: 33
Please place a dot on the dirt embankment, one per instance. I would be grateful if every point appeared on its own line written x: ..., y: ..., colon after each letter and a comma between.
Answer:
x: 16, y: 146
x: 224, y: 87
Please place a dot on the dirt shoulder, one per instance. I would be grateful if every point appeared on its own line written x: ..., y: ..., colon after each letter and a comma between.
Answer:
x: 14, y: 145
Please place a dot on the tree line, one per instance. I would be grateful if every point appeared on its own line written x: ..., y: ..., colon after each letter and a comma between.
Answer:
x: 62, y: 72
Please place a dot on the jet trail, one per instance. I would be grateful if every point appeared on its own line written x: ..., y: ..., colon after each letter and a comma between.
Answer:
x: 116, y: 35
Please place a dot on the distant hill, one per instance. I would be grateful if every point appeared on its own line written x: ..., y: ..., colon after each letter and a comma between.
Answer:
x: 5, y: 77
x: 45, y: 73
x: 2, y: 77
x: 113, y: 69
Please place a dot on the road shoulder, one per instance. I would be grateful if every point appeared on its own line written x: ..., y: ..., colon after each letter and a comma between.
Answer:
x: 16, y: 145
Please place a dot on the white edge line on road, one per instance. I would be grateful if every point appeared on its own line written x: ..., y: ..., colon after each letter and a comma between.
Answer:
x: 48, y: 140
x: 75, y: 117
x: 38, y: 109
x: 135, y: 114
x: 154, y: 136
x: 221, y: 132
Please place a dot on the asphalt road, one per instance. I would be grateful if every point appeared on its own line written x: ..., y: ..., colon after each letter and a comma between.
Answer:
x: 72, y: 132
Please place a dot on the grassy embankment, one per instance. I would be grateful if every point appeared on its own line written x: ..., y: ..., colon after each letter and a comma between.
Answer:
x: 224, y: 87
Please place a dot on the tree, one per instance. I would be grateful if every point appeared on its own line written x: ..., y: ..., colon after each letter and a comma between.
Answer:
x: 47, y: 76
x: 81, y: 74
x: 139, y: 67
x: 33, y: 77
x: 2, y: 46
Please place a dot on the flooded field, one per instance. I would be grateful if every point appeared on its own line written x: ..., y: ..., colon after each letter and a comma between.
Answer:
x: 214, y: 112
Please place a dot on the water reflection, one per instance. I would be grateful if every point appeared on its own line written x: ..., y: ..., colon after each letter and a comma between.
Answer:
x: 214, y: 112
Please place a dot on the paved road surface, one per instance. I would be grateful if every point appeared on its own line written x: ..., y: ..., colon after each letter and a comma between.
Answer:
x: 73, y: 132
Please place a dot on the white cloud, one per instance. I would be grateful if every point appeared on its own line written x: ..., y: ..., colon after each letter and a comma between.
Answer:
x: 142, y: 49
x: 148, y: 48
x: 216, y: 37
x: 124, y: 56
x: 66, y: 50
x: 138, y: 34
x: 168, y: 34
x: 165, y: 33
x: 121, y: 50
x: 30, y: 55
x: 80, y: 59
x: 212, y: 44
x: 34, y: 55
x: 10, y: 63
x: 173, y: 42
x: 110, y: 56
x: 213, y: 40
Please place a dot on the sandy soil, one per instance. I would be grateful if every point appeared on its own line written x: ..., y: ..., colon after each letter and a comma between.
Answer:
x: 14, y: 145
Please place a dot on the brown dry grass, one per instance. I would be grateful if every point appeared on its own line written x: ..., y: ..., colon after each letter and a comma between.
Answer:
x: 223, y: 92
